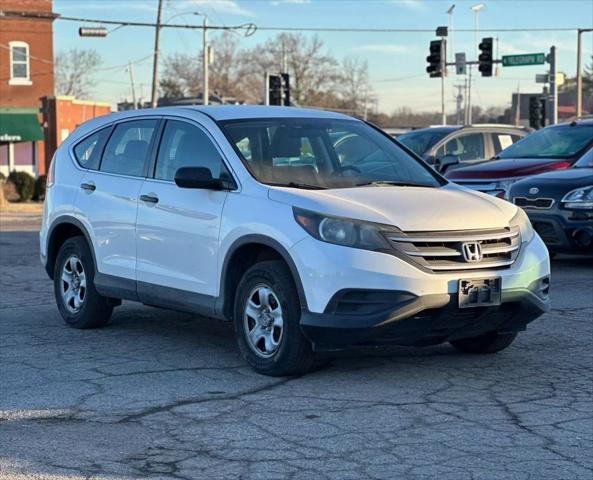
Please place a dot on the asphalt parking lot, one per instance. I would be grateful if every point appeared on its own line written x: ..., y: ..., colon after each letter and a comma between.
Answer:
x: 158, y: 394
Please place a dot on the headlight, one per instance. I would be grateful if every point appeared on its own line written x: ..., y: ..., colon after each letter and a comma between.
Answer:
x: 522, y: 221
x: 581, y: 198
x: 343, y: 231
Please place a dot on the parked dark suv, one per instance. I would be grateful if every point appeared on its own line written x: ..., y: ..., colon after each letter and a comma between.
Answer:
x: 451, y: 147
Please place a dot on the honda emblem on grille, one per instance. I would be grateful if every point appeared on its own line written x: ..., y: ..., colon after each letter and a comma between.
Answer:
x: 472, y: 252
x: 533, y: 191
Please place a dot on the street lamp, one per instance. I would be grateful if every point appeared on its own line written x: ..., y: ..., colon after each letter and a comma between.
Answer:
x: 206, y: 59
x: 450, y: 13
x: 476, y: 9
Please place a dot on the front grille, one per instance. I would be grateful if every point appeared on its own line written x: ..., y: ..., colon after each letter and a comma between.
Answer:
x: 445, y: 251
x: 539, y: 203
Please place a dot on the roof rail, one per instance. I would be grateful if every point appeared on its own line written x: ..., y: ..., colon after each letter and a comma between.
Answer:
x: 494, y: 125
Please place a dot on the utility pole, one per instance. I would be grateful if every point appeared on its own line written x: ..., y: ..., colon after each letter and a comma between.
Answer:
x: 469, y: 97
x: 443, y: 73
x: 155, y: 64
x: 458, y: 103
x: 553, y: 87
x: 131, y: 70
x: 579, y: 109
x: 205, y: 93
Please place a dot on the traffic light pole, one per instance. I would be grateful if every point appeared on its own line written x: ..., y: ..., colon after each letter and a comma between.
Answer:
x: 553, y: 87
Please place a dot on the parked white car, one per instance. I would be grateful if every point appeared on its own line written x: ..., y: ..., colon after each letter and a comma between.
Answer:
x: 265, y: 216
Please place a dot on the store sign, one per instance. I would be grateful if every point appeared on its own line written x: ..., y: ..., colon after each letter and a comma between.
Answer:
x: 5, y: 137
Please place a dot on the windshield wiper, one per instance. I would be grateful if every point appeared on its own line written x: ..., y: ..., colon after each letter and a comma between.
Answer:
x: 306, y: 186
x: 395, y: 183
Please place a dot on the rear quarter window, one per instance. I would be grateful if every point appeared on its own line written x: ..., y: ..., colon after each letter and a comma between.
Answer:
x: 88, y: 151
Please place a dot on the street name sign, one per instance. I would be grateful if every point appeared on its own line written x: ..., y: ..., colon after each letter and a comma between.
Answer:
x: 523, y: 60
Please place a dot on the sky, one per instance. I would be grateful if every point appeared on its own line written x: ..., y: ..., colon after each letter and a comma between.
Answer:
x: 397, y: 61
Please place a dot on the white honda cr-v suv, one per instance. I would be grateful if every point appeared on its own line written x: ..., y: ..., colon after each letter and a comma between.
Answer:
x: 310, y: 230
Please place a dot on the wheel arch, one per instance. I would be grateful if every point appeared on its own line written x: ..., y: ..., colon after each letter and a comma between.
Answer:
x: 242, y: 254
x: 62, y: 229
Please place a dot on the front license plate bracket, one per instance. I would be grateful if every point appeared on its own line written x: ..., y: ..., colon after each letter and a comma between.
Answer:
x: 480, y: 292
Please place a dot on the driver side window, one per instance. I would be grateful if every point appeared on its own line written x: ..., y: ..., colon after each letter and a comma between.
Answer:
x: 184, y: 145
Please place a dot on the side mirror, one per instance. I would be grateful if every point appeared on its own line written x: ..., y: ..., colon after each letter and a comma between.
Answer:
x: 444, y: 163
x: 197, y: 177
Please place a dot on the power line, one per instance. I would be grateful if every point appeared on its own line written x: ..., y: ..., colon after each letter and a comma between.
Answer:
x: 252, y: 27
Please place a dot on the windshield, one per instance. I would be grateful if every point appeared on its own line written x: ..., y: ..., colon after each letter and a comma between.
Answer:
x: 555, y: 142
x: 420, y: 141
x: 320, y: 153
x: 586, y: 161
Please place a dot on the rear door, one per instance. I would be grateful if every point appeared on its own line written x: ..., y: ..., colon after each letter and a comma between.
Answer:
x: 109, y: 196
x: 178, y: 228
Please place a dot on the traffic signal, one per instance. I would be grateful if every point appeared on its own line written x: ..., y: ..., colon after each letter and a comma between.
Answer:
x: 543, y: 101
x: 435, y: 59
x: 537, y: 117
x: 285, y: 89
x: 486, y: 58
x: 278, y: 89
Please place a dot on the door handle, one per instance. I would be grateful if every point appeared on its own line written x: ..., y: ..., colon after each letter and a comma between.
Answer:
x: 89, y: 187
x: 149, y: 198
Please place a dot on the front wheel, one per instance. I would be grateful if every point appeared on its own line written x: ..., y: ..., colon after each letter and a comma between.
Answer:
x: 267, y: 316
x: 488, y: 343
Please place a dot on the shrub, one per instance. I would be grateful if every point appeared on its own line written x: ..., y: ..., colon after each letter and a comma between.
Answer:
x: 40, y: 186
x: 23, y: 183
x: 2, y: 178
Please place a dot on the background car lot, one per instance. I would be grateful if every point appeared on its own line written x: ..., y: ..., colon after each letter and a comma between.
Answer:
x: 159, y: 394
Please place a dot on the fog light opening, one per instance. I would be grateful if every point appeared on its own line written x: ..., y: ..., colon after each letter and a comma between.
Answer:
x: 583, y: 237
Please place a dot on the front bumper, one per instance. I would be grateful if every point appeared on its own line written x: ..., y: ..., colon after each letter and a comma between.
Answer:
x: 413, y: 307
x: 426, y: 320
x: 559, y: 231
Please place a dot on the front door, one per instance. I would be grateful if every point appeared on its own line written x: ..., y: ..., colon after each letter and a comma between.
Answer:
x: 178, y: 228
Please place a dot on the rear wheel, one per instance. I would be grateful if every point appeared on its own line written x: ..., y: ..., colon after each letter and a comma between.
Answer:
x: 267, y: 316
x: 488, y: 343
x: 78, y: 301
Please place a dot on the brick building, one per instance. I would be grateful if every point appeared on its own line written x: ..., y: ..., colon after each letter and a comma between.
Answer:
x: 26, y: 74
x: 61, y: 115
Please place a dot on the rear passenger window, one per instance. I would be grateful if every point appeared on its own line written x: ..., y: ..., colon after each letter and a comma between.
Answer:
x: 127, y: 149
x: 88, y: 151
x: 503, y: 140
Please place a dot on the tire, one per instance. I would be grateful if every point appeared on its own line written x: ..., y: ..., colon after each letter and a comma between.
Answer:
x: 78, y: 301
x: 488, y: 343
x: 267, y: 305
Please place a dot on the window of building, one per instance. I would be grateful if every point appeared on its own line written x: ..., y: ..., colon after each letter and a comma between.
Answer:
x: 20, y: 72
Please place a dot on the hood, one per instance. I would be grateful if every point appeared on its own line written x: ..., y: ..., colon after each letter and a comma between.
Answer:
x: 553, y: 184
x: 508, y: 168
x: 408, y: 208
x: 568, y: 175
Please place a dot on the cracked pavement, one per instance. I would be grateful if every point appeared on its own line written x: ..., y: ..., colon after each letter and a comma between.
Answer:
x: 165, y: 395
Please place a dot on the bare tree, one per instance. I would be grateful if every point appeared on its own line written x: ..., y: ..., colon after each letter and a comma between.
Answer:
x: 181, y: 75
x: 73, y: 70
x: 317, y: 78
x: 354, y: 86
